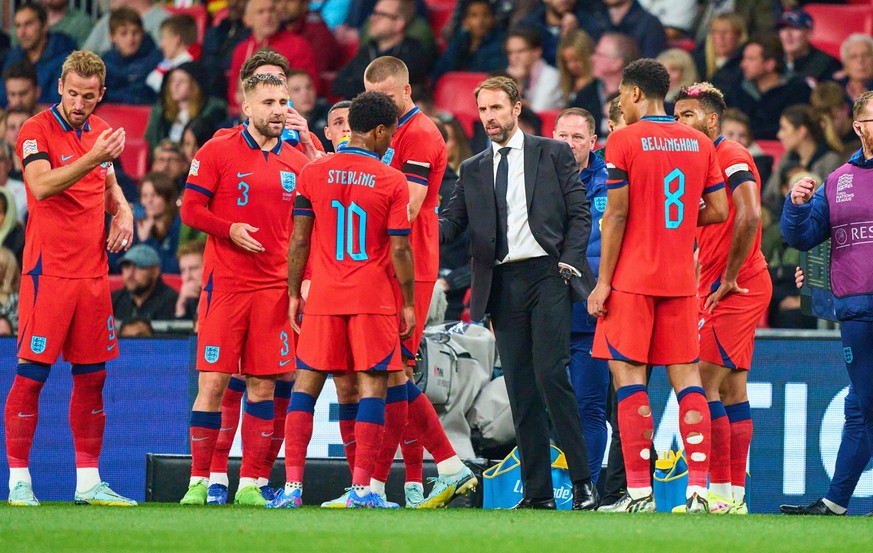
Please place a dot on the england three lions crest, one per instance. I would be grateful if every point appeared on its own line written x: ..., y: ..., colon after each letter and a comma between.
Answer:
x: 211, y: 353
x: 289, y: 181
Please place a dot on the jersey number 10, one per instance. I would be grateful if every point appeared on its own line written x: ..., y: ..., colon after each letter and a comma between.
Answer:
x: 348, y: 220
x: 674, y: 199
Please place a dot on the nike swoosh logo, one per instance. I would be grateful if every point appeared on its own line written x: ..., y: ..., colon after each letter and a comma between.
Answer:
x: 199, y: 439
x: 409, y: 442
x: 65, y: 158
x: 266, y: 435
x: 348, y: 444
x: 283, y: 363
x: 22, y: 415
x: 112, y: 347
x: 241, y: 175
x: 96, y: 411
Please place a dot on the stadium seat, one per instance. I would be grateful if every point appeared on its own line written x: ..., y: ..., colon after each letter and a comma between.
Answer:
x: 438, y: 15
x: 772, y: 148
x: 454, y: 94
x: 200, y: 15
x: 548, y: 119
x: 135, y: 158
x: 133, y: 118
x: 173, y: 281
x: 833, y: 23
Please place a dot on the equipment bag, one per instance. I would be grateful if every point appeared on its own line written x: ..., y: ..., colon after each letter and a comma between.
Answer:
x: 502, y: 488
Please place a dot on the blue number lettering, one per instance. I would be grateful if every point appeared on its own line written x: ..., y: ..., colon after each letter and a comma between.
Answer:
x: 244, y: 193
x: 284, y: 338
x: 674, y: 198
x: 345, y: 231
x: 110, y: 326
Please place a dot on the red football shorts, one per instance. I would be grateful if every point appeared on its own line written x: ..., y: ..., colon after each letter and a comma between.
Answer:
x: 727, y: 336
x: 72, y: 316
x: 346, y: 343
x: 423, y: 297
x: 653, y: 330
x: 245, y: 332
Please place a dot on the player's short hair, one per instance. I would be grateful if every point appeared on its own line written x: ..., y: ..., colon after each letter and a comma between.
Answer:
x: 861, y: 104
x: 384, y: 67
x: 261, y: 79
x: 120, y: 17
x: 342, y: 104
x: 21, y: 69
x: 615, y: 110
x: 579, y: 112
x: 771, y: 48
x: 264, y: 56
x: 710, y: 98
x: 649, y: 76
x: 36, y: 8
x: 196, y: 246
x: 182, y: 25
x: 529, y: 35
x: 505, y: 84
x: 85, y: 64
x: 370, y: 109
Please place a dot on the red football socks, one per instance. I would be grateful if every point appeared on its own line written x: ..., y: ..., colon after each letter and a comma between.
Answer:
x: 87, y: 417
x: 695, y: 428
x: 298, y: 432
x: 257, y: 431
x: 231, y: 406
x: 720, y: 454
x: 204, y: 433
x: 396, y: 409
x: 369, y: 432
x: 22, y: 412
x: 635, y: 424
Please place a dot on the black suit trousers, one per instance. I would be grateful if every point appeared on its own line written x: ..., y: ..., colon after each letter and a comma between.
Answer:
x: 531, y: 311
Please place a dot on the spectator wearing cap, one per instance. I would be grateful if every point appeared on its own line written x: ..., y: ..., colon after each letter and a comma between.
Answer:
x: 184, y: 96
x: 145, y: 294
x: 801, y: 58
x: 766, y: 90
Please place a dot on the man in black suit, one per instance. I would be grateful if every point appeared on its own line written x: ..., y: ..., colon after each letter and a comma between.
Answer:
x: 529, y: 224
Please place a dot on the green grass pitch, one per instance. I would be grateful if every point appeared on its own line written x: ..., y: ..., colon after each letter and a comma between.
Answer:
x: 59, y: 527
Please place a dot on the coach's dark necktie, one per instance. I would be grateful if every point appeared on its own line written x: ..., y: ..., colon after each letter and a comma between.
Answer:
x: 501, y: 184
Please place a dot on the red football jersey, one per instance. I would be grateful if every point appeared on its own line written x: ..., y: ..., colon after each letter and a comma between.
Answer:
x: 714, y: 241
x: 245, y: 184
x: 668, y: 167
x: 419, y: 152
x: 66, y: 235
x: 357, y: 202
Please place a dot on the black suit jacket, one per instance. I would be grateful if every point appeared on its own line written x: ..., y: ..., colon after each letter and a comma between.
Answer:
x: 558, y: 214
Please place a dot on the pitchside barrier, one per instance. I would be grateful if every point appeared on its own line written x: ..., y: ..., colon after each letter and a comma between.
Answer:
x: 796, y: 390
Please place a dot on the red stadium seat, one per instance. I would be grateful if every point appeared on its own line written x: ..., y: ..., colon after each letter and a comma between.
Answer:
x: 772, y: 148
x: 135, y: 158
x: 133, y: 118
x: 548, y: 119
x: 115, y: 283
x: 439, y: 15
x: 454, y: 94
x: 219, y: 16
x: 350, y: 48
x: 200, y: 15
x: 833, y: 23
x: 173, y: 281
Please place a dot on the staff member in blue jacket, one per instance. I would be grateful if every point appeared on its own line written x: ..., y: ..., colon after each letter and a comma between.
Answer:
x: 842, y: 210
x: 589, y: 376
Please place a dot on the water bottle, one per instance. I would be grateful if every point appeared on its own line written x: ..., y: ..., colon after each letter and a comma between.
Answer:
x: 291, y: 136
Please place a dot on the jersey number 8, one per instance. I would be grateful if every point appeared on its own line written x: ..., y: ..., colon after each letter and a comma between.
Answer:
x: 674, y: 199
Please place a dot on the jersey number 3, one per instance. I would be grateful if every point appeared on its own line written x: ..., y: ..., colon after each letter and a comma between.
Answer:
x: 346, y: 225
x: 674, y: 209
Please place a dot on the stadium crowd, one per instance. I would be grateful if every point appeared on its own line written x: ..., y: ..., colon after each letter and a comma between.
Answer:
x: 789, y: 92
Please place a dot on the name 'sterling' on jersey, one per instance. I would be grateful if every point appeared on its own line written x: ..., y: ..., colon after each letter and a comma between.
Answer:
x: 335, y: 176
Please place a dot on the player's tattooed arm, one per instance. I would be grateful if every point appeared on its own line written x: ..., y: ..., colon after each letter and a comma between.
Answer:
x: 298, y: 256
x: 121, y: 229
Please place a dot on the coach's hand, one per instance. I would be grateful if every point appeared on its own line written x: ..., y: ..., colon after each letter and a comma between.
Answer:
x: 296, y: 305
x: 597, y: 300
x: 109, y: 145
x: 407, y: 321
x: 802, y: 191
x: 798, y: 277
x: 726, y: 288
x: 239, y: 233
x: 120, y: 231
